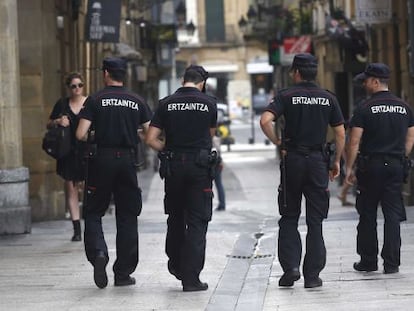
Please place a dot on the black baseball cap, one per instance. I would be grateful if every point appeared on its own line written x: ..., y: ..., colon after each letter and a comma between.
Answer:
x: 376, y: 70
x: 200, y: 70
x: 114, y: 63
x: 304, y: 60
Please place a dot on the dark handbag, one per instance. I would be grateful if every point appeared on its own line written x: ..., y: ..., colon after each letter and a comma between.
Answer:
x: 57, y: 142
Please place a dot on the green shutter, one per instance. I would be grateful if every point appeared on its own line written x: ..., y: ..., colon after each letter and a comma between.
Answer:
x: 215, y: 28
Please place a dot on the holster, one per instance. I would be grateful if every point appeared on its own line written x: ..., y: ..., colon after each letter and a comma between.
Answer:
x: 407, y: 166
x: 330, y: 149
x: 90, y: 151
x: 208, y: 159
x: 164, y: 170
x: 214, y: 161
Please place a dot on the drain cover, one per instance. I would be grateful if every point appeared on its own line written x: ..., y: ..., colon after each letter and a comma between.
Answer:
x: 250, y: 256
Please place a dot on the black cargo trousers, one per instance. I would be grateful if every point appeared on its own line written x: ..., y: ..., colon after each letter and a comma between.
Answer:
x: 380, y: 180
x: 307, y: 175
x: 188, y: 203
x: 113, y: 172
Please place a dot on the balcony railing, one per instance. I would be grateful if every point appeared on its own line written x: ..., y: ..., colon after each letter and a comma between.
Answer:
x: 232, y: 37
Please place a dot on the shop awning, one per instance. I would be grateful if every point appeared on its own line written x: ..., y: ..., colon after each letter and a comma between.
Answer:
x: 262, y: 67
x: 217, y: 67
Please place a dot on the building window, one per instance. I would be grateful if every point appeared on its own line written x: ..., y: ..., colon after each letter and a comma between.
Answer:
x: 215, y: 30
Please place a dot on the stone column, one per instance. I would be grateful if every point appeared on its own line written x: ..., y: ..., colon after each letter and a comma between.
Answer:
x: 15, y: 213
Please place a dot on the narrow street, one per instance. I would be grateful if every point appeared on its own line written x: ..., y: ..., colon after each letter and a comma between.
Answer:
x: 45, y: 271
x: 56, y: 54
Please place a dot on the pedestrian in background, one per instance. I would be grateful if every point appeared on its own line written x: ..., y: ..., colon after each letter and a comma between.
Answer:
x: 217, y: 178
x: 71, y: 167
x: 345, y: 187
x: 360, y: 96
x: 189, y: 120
x: 116, y: 114
x: 383, y: 133
x: 308, y: 110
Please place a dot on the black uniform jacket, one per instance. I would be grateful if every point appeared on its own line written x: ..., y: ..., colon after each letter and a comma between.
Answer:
x: 186, y: 118
x: 116, y: 115
x: 385, y: 119
x: 308, y: 110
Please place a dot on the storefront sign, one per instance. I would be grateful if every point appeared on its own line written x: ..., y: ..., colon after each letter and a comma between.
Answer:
x: 102, y: 20
x: 293, y: 46
x: 373, y: 11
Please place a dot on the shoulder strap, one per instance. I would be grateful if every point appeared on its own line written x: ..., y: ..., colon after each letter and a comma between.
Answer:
x: 64, y: 104
x: 66, y: 108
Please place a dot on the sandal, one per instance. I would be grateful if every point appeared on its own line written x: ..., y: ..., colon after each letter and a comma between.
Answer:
x: 344, y: 201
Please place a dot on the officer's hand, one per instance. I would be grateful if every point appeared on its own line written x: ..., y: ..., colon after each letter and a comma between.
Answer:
x: 334, y: 171
x: 350, y: 177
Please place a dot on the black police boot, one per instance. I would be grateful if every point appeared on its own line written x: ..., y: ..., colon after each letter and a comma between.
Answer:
x: 194, y: 286
x: 313, y: 282
x: 99, y: 270
x: 77, y: 235
x: 390, y: 269
x: 289, y: 277
x: 365, y: 266
x: 124, y: 281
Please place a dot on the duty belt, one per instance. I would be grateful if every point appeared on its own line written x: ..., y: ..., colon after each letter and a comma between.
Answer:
x: 383, y: 156
x: 115, y: 151
x: 182, y: 156
x: 303, y: 148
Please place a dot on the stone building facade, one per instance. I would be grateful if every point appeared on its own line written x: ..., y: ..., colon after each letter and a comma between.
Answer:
x: 43, y: 40
x: 15, y: 210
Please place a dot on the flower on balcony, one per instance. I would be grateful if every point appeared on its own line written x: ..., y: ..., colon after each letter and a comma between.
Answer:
x: 350, y: 39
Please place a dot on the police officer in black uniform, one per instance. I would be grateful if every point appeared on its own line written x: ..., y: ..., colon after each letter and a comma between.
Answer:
x: 116, y: 114
x: 383, y: 132
x: 189, y: 119
x: 308, y: 110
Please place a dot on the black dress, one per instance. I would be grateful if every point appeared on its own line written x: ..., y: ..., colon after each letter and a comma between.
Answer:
x: 70, y: 167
